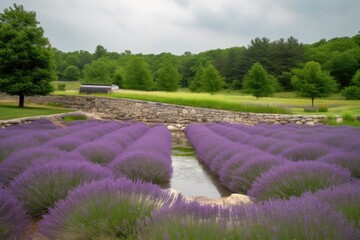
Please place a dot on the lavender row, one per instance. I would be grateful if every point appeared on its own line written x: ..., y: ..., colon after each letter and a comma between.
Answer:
x: 40, y: 176
x: 312, y: 216
x: 148, y: 158
x: 245, y: 169
x: 320, y: 143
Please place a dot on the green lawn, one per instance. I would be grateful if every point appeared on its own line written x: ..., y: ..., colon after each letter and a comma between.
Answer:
x: 11, y: 110
x: 70, y: 85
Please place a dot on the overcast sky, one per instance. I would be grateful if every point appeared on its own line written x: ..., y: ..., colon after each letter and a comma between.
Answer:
x: 176, y: 26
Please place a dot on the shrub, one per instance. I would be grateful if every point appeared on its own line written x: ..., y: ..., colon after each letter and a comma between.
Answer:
x: 186, y: 221
x: 106, y: 209
x: 100, y: 152
x: 293, y: 179
x: 15, y: 143
x: 144, y: 166
x: 343, y: 198
x: 230, y: 168
x: 296, y: 218
x: 322, y: 108
x: 19, y: 161
x: 61, y: 87
x: 351, y: 93
x: 251, y: 170
x: 67, y: 143
x: 39, y: 187
x: 347, y: 116
x: 349, y: 160
x: 307, y: 151
x: 309, y: 109
x: 13, y: 219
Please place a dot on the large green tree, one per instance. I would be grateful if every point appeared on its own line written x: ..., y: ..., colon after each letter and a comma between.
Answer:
x: 312, y: 82
x: 100, y: 71
x: 26, y: 60
x: 168, y: 77
x: 138, y: 75
x: 211, y: 80
x: 352, y: 92
x: 258, y: 82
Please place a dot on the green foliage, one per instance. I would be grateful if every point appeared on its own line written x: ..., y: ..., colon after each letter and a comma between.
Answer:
x: 119, y: 77
x: 74, y: 117
x: 71, y: 73
x: 353, y: 92
x: 211, y: 80
x: 258, y: 83
x: 347, y: 116
x: 195, y: 84
x: 322, y: 108
x: 312, y: 82
x: 26, y: 59
x: 167, y: 77
x: 138, y: 75
x: 61, y: 87
x: 100, y: 71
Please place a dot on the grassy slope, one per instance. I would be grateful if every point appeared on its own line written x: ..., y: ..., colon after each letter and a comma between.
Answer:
x: 70, y: 85
x: 230, y: 100
x: 11, y: 111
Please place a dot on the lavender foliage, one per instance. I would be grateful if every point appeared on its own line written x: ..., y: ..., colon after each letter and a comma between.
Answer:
x: 296, y: 178
x: 39, y: 187
x: 106, y: 209
x: 13, y: 219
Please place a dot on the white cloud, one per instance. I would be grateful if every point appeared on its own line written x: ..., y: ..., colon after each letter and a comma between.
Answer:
x: 154, y: 26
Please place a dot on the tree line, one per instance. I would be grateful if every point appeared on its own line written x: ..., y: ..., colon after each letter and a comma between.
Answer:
x: 339, y: 56
x: 28, y: 63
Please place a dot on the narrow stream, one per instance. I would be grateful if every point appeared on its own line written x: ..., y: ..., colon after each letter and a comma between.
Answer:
x: 190, y: 177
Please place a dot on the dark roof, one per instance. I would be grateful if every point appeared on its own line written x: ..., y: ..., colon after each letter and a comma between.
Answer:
x: 95, y: 88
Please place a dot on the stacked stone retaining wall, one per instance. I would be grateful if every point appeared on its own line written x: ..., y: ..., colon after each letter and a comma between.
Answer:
x: 169, y: 114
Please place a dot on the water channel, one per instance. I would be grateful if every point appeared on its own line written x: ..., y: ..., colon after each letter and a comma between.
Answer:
x: 190, y: 176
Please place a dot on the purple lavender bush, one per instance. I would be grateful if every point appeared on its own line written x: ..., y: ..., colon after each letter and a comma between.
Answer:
x: 246, y: 174
x: 19, y: 161
x: 39, y: 187
x: 15, y: 143
x: 186, y: 220
x: 101, y: 152
x: 143, y: 165
x: 344, y: 198
x: 296, y: 178
x: 296, y: 218
x: 105, y: 209
x: 13, y: 219
x: 349, y: 160
x: 307, y: 151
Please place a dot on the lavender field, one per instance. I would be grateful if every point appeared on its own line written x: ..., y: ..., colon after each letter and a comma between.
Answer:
x: 101, y: 180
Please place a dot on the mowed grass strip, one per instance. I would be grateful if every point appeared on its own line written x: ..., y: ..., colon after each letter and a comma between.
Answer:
x: 12, y: 111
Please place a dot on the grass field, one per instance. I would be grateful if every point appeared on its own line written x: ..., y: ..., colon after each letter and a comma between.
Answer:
x: 235, y: 101
x: 10, y: 110
x: 70, y: 85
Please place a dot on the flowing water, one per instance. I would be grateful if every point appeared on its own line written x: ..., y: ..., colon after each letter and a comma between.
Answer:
x: 190, y: 176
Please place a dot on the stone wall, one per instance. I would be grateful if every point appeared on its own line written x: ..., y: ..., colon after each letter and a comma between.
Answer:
x: 170, y: 114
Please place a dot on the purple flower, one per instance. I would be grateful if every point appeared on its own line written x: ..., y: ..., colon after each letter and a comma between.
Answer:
x: 39, y: 187
x: 349, y: 160
x: 307, y: 151
x: 252, y: 169
x: 13, y: 219
x: 143, y: 165
x: 104, y: 209
x: 295, y: 178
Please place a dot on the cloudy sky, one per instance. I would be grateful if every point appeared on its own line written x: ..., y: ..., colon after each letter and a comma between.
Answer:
x: 176, y: 26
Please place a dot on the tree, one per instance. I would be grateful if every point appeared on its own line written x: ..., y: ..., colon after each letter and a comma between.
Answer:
x: 71, y: 73
x: 26, y: 60
x: 196, y: 84
x: 138, y: 75
x: 211, y: 80
x: 100, y: 71
x: 258, y: 82
x: 168, y: 77
x: 313, y: 82
x: 353, y: 91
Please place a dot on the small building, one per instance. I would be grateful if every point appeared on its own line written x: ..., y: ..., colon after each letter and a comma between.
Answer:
x: 97, y: 88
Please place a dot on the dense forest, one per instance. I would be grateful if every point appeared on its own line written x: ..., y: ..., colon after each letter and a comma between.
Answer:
x: 165, y: 71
